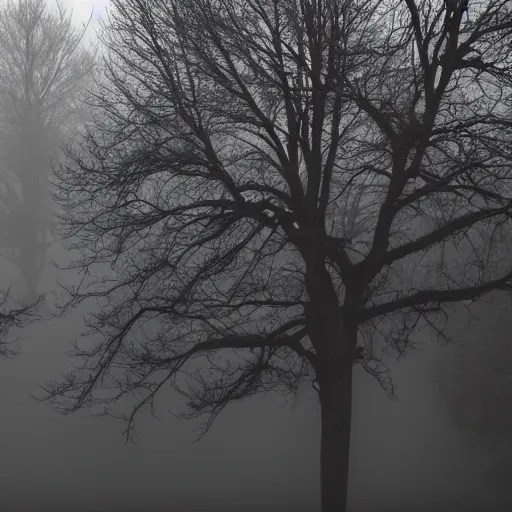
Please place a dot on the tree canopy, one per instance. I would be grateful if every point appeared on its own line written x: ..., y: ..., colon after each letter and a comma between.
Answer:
x: 276, y: 190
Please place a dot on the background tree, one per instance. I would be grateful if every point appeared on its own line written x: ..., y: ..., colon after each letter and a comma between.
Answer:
x: 43, y: 70
x: 277, y: 190
x: 474, y: 382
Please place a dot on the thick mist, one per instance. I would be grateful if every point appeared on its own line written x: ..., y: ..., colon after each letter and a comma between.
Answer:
x: 261, y: 454
x: 408, y: 454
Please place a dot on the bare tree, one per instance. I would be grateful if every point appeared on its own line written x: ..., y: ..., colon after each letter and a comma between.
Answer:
x: 279, y: 190
x: 43, y: 70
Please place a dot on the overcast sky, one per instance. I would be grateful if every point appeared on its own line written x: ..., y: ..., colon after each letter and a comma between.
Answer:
x: 82, y: 9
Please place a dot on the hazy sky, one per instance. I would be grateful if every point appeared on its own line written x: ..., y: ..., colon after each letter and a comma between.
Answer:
x: 82, y: 9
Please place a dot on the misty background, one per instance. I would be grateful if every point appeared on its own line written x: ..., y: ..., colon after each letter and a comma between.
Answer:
x: 261, y: 454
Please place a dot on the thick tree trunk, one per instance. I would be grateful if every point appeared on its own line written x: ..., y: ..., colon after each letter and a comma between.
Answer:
x: 334, y: 337
x: 336, y: 417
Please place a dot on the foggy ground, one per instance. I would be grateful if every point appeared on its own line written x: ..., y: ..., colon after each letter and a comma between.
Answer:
x: 260, y: 455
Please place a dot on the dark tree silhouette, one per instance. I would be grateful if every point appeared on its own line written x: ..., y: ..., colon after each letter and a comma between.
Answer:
x: 42, y: 71
x: 272, y: 189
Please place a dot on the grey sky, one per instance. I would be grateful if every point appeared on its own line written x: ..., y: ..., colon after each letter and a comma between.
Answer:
x: 82, y: 9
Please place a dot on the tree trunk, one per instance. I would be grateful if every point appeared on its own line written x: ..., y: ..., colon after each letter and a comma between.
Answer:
x: 31, y: 272
x: 334, y: 337
x: 335, y: 382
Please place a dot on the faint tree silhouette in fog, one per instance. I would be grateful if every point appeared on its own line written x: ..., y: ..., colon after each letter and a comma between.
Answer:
x: 474, y: 382
x: 42, y: 72
x: 280, y: 190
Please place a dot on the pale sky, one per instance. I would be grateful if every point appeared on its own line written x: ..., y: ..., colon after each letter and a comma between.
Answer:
x: 82, y: 9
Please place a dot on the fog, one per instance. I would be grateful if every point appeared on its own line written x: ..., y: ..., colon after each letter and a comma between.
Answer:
x: 260, y: 454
